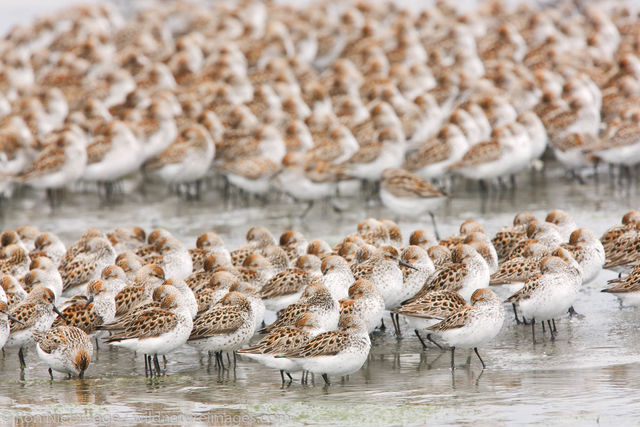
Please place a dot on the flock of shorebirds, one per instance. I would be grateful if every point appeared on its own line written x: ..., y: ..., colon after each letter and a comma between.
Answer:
x: 300, y: 99
x: 152, y: 295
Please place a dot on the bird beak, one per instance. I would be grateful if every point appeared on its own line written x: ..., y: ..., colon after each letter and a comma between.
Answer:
x: 406, y: 265
x: 89, y: 301
x: 59, y: 313
x: 11, y: 317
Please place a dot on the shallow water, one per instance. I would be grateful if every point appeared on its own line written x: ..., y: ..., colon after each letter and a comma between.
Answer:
x: 588, y: 375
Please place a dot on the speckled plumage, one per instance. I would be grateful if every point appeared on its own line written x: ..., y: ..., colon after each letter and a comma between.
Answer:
x: 65, y: 349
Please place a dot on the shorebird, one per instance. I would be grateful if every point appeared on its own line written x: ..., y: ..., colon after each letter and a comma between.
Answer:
x: 187, y: 160
x: 364, y: 301
x: 87, y: 266
x: 549, y: 294
x: 156, y: 330
x: 383, y: 269
x: 226, y: 326
x: 285, y: 339
x: 468, y: 272
x: 336, y: 352
x: 59, y: 165
x: 35, y: 313
x: 316, y: 299
x: 430, y: 309
x: 473, y: 325
x: 49, y: 245
x: 65, y: 349
x: 284, y: 288
x: 408, y: 194
x: 114, y: 153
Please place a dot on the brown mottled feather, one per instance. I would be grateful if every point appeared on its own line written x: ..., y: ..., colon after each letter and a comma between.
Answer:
x: 279, y: 341
x: 287, y: 316
x: 128, y: 318
x: 448, y: 279
x: 128, y: 298
x: 515, y: 270
x: 251, y: 168
x: 77, y: 273
x: 326, y: 344
x: 50, y: 340
x: 456, y: 320
x: 366, y: 154
x: 433, y: 305
x: 527, y: 290
x: 25, y: 313
x: 286, y: 282
x: 505, y: 241
x: 217, y: 321
x: 51, y: 160
x: 198, y: 257
x: 362, y: 271
x: 238, y: 256
x: 408, y: 185
x: 84, y: 318
x: 98, y: 148
x: 430, y: 152
x: 149, y: 324
x: 483, y: 152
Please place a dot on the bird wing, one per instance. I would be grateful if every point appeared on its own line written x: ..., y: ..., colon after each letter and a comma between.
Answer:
x: 125, y: 320
x: 623, y: 253
x: 347, y: 307
x: 78, y: 315
x: 217, y: 321
x: 205, y: 299
x: 327, y: 150
x: 505, y: 241
x: 49, y: 161
x: 627, y: 134
x: 279, y: 341
x: 25, y: 313
x: 197, y: 281
x: 430, y: 152
x: 362, y: 271
x: 410, y: 186
x: 326, y: 344
x: 98, y: 149
x: 172, y: 154
x: 288, y: 316
x: 449, y: 279
x: 149, y: 324
x: 128, y: 298
x: 434, y: 305
x: 366, y: 154
x: 287, y: 282
x: 454, y: 321
x: 483, y: 152
x: 527, y: 290
x: 77, y: 272
x: 624, y: 287
x: 251, y: 168
x: 49, y: 341
x: 515, y: 270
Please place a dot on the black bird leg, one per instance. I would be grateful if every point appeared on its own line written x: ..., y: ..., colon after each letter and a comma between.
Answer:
x: 478, y: 354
